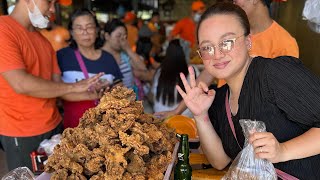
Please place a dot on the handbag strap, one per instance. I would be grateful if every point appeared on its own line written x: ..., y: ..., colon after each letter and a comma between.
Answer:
x: 280, y: 174
x: 81, y: 64
x: 83, y: 68
x: 230, y: 119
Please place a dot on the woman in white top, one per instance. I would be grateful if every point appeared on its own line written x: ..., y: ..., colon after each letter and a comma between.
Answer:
x: 165, y: 95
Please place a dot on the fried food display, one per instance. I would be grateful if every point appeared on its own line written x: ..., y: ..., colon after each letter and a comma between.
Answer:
x: 114, y: 140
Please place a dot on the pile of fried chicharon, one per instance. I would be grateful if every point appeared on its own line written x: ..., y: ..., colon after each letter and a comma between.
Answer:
x: 114, y: 140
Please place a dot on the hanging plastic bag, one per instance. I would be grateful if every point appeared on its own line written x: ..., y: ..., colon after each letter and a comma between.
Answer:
x: 311, y: 13
x: 20, y: 173
x: 246, y: 166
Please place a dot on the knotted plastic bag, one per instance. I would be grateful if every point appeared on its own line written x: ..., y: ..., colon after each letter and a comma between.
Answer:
x: 246, y: 166
x: 20, y: 173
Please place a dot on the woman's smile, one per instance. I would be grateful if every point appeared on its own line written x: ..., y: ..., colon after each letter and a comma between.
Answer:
x: 221, y: 65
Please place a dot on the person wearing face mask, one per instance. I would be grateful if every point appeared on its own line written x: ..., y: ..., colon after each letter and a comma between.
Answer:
x: 30, y: 81
x: 186, y: 27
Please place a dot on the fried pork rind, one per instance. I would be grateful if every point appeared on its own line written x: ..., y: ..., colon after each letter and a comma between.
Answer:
x: 114, y: 140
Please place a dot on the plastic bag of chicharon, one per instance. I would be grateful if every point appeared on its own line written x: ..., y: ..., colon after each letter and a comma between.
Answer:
x: 246, y: 166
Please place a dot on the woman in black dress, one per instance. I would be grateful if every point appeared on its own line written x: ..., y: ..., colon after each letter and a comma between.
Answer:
x: 281, y: 92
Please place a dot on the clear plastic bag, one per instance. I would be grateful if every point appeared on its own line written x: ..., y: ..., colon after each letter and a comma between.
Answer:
x: 245, y: 166
x: 48, y: 145
x: 312, y: 14
x: 21, y: 173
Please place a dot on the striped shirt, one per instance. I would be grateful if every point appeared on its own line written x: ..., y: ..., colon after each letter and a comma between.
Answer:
x: 126, y: 70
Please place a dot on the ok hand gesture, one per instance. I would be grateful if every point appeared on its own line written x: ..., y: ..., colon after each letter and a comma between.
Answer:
x: 198, y: 98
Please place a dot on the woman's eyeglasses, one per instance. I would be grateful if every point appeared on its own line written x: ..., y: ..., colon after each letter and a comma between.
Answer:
x: 89, y: 30
x: 207, y: 52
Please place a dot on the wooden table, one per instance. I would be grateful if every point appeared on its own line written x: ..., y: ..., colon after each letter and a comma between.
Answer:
x: 203, y: 174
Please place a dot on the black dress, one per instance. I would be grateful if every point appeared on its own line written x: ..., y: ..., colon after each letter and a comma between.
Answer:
x: 285, y: 96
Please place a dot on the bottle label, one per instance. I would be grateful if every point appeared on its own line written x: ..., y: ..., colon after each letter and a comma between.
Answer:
x: 180, y: 156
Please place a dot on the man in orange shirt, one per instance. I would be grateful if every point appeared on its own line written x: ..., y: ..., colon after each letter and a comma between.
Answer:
x: 186, y: 27
x: 128, y: 20
x: 268, y: 39
x: 30, y: 81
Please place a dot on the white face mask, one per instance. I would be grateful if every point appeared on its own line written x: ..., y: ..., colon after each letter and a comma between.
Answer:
x: 196, y: 17
x: 36, y: 17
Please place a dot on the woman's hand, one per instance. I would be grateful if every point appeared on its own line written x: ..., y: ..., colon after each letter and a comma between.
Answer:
x: 266, y: 146
x: 124, y: 43
x: 86, y: 84
x: 197, y: 98
x: 102, y: 85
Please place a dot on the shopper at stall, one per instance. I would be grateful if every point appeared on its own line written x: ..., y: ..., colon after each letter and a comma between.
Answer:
x: 186, y: 27
x: 30, y: 81
x: 257, y: 88
x: 116, y: 43
x: 129, y: 20
x: 165, y: 95
x: 269, y: 39
x: 84, y: 48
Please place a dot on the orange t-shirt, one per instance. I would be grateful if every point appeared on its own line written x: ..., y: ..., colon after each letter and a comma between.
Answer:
x: 186, y: 29
x: 132, y: 34
x: 273, y: 42
x: 22, y: 115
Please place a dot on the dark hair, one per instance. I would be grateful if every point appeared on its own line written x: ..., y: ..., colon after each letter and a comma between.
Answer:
x: 227, y: 9
x: 266, y: 2
x: 84, y: 12
x: 143, y: 48
x: 155, y: 13
x: 113, y: 24
x: 173, y: 63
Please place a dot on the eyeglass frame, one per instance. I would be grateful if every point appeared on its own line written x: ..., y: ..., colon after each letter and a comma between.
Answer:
x: 93, y: 28
x: 212, y: 48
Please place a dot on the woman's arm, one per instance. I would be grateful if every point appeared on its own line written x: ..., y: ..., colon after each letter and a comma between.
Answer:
x: 211, y: 143
x: 198, y: 99
x: 77, y: 96
x: 25, y: 83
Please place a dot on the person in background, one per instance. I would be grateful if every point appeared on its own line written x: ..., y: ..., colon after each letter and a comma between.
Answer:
x: 257, y: 88
x: 158, y: 35
x: 186, y: 27
x: 30, y: 81
x: 149, y: 49
x: 57, y: 35
x: 85, y: 39
x: 116, y: 43
x: 132, y: 31
x: 165, y: 95
x: 268, y: 39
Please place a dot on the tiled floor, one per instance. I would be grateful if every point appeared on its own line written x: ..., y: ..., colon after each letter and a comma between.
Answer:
x: 3, y: 164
